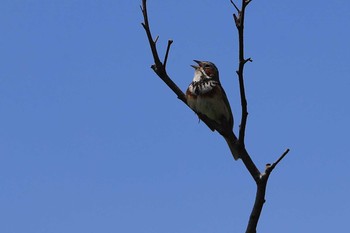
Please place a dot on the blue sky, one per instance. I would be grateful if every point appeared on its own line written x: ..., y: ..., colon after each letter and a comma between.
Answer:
x: 92, y: 141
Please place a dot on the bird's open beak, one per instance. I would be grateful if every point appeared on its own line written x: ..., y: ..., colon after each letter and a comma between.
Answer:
x: 198, y: 62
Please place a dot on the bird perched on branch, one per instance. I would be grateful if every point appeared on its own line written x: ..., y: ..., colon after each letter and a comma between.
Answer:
x: 206, y: 96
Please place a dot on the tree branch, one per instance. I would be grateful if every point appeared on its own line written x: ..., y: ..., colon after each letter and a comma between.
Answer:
x: 269, y: 167
x: 260, y: 195
x: 160, y: 69
x: 167, y: 52
x: 235, y: 6
x: 239, y: 21
x: 260, y: 179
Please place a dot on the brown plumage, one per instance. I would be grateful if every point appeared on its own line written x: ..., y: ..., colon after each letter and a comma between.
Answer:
x: 206, y: 96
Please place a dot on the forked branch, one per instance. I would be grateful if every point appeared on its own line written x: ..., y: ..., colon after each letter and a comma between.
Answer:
x: 160, y: 69
x: 261, y: 181
x: 260, y: 195
x: 239, y: 21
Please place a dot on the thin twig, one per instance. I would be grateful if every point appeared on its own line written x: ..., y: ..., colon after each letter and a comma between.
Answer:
x: 156, y: 40
x: 271, y: 167
x: 248, y: 60
x: 247, y: 2
x: 237, y: 9
x: 167, y: 52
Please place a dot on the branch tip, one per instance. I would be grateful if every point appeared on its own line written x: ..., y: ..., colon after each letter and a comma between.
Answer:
x: 167, y: 52
x: 155, y: 41
x: 280, y: 158
x: 235, y: 17
x: 237, y: 9
x: 248, y: 59
x: 271, y: 167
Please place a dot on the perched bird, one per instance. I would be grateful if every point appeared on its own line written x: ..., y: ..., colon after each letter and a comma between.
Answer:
x: 206, y: 96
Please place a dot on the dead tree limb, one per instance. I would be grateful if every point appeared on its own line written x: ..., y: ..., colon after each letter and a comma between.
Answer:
x: 160, y: 69
x: 262, y: 178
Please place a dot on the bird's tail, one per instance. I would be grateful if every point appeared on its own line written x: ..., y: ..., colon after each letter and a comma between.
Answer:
x: 231, y: 142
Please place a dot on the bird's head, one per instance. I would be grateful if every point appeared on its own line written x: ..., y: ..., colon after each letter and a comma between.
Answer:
x: 206, y: 69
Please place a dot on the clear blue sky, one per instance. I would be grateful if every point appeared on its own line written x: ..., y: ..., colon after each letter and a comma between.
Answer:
x: 92, y: 141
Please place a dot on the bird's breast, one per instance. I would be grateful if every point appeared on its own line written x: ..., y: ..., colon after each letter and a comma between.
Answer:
x: 208, y: 99
x: 202, y: 87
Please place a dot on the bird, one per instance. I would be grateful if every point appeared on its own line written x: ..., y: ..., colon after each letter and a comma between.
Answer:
x: 206, y: 96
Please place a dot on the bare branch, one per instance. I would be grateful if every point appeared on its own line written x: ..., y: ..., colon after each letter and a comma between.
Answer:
x: 269, y: 167
x: 239, y: 20
x: 239, y: 143
x: 167, y: 52
x: 249, y: 164
x: 237, y: 9
x: 158, y: 67
x: 156, y: 40
x: 145, y: 25
x: 160, y: 70
x: 248, y: 60
x: 259, y: 178
x: 257, y: 208
x: 260, y: 195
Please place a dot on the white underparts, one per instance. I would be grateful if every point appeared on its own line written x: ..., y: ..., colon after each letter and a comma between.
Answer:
x: 202, y: 86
